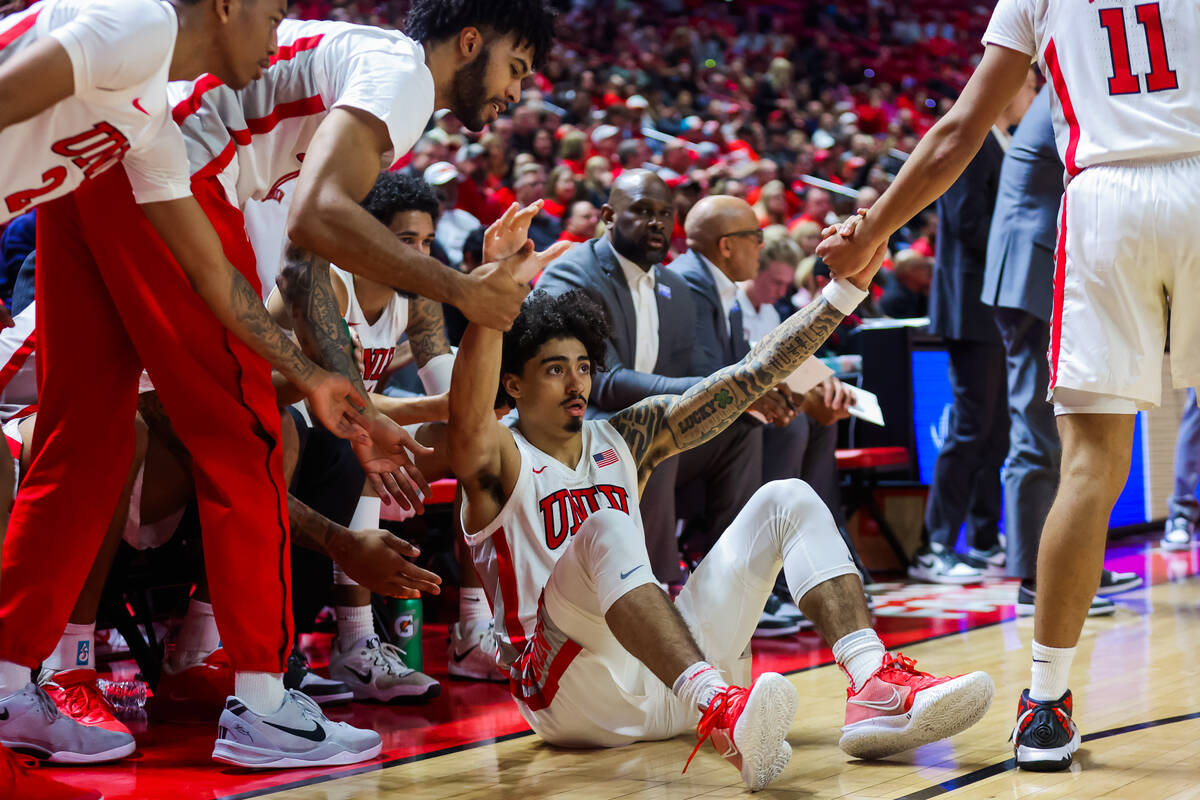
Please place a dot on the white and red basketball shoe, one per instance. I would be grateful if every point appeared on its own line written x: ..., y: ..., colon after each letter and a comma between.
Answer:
x: 78, y: 696
x: 748, y: 728
x: 899, y: 708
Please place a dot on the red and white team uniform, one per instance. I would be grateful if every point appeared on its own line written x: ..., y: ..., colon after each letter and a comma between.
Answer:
x: 252, y: 142
x: 569, y: 543
x: 120, y: 53
x: 111, y: 300
x: 1126, y: 104
x: 378, y: 339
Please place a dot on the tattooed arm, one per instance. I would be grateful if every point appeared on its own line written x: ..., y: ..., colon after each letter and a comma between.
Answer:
x: 426, y: 330
x: 659, y: 427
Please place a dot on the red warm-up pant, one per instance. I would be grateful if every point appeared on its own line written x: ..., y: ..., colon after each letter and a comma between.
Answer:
x: 110, y: 300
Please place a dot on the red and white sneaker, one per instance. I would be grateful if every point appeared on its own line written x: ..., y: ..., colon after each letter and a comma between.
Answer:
x: 748, y: 728
x: 77, y: 696
x: 20, y: 778
x: 195, y: 693
x: 899, y: 708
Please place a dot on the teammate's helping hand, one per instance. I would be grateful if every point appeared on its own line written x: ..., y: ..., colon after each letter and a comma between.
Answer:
x: 337, y: 404
x: 378, y: 561
x: 385, y: 457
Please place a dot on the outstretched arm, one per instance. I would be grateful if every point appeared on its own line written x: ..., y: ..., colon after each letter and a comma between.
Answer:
x: 659, y: 427
x: 191, y: 239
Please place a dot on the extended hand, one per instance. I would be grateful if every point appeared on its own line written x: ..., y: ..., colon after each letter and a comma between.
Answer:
x: 337, y: 404
x: 378, y: 561
x: 386, y: 459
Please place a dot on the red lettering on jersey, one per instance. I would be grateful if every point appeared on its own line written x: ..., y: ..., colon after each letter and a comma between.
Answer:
x: 94, y: 150
x: 375, y: 361
x: 18, y: 202
x: 565, y: 510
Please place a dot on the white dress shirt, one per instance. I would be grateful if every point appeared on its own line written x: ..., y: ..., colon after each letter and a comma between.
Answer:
x: 645, y: 309
x: 758, y: 323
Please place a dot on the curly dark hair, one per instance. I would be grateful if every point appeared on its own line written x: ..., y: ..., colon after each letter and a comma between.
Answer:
x: 397, y: 192
x: 544, y: 317
x: 532, y: 21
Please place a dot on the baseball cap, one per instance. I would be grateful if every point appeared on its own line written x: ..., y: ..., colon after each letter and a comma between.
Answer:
x: 604, y: 132
x: 440, y: 174
x: 472, y: 150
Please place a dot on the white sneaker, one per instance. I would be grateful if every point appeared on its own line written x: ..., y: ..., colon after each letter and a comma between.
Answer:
x: 935, y: 564
x: 376, y: 671
x: 992, y: 562
x: 472, y: 652
x: 1178, y: 534
x: 297, y: 735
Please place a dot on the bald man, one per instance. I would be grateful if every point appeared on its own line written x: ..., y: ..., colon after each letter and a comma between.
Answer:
x: 649, y: 353
x: 799, y: 440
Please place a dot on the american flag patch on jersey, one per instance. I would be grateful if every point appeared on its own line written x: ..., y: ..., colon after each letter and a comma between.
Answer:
x: 606, y: 458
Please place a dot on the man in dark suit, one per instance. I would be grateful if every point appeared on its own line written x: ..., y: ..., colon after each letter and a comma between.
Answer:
x: 966, y: 477
x: 650, y: 352
x: 724, y: 243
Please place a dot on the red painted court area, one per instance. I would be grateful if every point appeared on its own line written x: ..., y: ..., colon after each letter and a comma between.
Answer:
x: 172, y: 761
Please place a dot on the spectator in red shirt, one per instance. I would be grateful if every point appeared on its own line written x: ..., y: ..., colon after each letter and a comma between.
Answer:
x: 580, y: 224
x: 561, y: 191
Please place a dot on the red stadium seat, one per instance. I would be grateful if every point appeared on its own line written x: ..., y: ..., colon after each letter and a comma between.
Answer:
x: 860, y: 468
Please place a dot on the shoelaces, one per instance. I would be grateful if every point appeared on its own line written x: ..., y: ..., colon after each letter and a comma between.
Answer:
x: 722, y: 712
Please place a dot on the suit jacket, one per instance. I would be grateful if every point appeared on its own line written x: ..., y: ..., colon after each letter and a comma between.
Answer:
x: 964, y: 215
x: 716, y: 344
x: 1020, y: 253
x: 593, y: 267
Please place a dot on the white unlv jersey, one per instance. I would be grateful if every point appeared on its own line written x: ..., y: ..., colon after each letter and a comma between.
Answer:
x: 120, y: 52
x: 1126, y: 75
x: 516, y: 552
x: 378, y: 340
x: 255, y: 139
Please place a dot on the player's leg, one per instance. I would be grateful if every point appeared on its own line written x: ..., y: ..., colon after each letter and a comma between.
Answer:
x: 221, y: 403
x: 892, y: 707
x: 72, y: 485
x: 603, y: 599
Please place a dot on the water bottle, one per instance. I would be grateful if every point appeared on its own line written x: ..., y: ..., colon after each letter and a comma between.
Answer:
x: 406, y: 625
x: 128, y: 698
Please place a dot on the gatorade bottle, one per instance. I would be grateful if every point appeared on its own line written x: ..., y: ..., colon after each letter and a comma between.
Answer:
x: 407, y: 628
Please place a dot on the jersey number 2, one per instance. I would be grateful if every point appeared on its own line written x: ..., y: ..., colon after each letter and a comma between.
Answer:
x: 1123, y: 81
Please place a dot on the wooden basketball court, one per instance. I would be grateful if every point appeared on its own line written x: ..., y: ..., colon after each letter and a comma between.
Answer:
x: 1137, y: 707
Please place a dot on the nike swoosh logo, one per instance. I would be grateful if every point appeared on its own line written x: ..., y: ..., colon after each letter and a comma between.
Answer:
x: 317, y: 734
x: 458, y: 659
x: 892, y: 704
x: 625, y: 575
x: 137, y: 103
x: 364, y: 678
x: 539, y: 471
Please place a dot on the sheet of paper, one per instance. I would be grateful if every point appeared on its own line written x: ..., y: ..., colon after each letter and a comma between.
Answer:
x: 866, y: 405
x: 808, y: 375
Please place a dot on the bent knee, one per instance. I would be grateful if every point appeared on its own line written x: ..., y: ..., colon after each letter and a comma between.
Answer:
x: 790, y: 494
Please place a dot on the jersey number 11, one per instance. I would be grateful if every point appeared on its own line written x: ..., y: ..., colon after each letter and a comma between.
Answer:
x: 1123, y: 81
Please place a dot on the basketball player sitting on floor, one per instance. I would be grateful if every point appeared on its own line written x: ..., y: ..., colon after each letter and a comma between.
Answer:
x: 598, y: 654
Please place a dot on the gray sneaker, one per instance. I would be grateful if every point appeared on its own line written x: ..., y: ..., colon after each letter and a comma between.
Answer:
x: 376, y: 671
x: 297, y: 735
x: 30, y: 723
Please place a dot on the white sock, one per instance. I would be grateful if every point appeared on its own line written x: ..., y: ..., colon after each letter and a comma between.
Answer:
x: 353, y: 623
x: 74, y: 649
x: 13, y: 678
x: 473, y: 606
x: 699, y: 684
x: 262, y: 692
x: 198, y: 634
x: 1051, y: 668
x: 859, y: 653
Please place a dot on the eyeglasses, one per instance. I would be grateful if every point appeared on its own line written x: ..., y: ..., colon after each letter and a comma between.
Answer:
x: 756, y: 233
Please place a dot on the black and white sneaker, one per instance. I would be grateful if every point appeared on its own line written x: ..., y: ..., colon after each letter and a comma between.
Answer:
x: 777, y: 621
x: 1045, y: 738
x: 31, y: 723
x: 376, y: 671
x: 936, y: 564
x: 1117, y: 582
x: 991, y: 562
x: 1100, y: 607
x: 325, y: 691
x: 297, y: 735
x: 1177, y: 535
